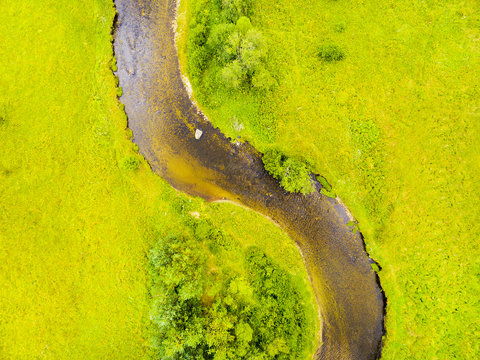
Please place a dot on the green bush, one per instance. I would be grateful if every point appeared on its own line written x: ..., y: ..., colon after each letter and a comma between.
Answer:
x: 130, y: 163
x: 129, y: 133
x: 232, y: 10
x: 252, y: 50
x: 197, y: 62
x: 198, y: 35
x: 284, y: 335
x: 293, y: 174
x: 181, y: 206
x: 331, y: 52
x: 216, y: 42
x: 244, y: 52
x: 233, y: 75
x: 326, y: 189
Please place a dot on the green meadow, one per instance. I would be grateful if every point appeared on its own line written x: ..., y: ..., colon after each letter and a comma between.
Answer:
x: 382, y: 100
x: 80, y: 210
x: 379, y: 98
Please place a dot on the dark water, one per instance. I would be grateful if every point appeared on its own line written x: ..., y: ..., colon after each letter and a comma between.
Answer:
x: 164, y: 120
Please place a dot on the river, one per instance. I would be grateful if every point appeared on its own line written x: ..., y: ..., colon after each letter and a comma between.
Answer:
x: 164, y: 121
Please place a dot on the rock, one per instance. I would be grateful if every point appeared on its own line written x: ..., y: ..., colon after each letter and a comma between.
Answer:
x: 198, y: 134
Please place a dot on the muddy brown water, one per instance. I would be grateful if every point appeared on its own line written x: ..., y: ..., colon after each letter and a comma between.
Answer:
x: 164, y: 120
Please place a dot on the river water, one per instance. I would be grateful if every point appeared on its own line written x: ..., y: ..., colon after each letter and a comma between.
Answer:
x: 164, y: 121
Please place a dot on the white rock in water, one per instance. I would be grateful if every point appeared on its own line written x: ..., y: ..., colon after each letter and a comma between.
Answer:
x: 198, y: 134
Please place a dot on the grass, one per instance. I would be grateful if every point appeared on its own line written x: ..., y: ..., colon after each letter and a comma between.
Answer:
x: 72, y: 223
x: 394, y: 127
x: 79, y: 208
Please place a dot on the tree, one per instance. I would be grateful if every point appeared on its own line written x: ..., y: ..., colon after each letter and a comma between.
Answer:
x: 233, y: 74
x: 219, y: 37
x: 234, y: 9
x: 296, y: 177
x: 252, y: 50
x: 243, y: 25
x: 272, y: 160
x: 293, y: 174
x: 180, y: 266
x: 256, y: 316
x: 331, y: 52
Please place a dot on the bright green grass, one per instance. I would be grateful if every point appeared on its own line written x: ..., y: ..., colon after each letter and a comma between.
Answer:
x: 75, y: 226
x: 395, y: 128
x: 72, y: 224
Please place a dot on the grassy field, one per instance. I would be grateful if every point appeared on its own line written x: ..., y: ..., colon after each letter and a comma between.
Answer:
x: 72, y: 223
x: 76, y: 219
x: 394, y: 127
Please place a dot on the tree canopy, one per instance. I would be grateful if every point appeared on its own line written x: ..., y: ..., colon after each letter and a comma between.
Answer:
x: 293, y: 174
x: 201, y: 310
x: 224, y: 47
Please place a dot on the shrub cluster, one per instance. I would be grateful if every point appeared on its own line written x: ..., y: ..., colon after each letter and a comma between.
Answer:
x: 225, y: 49
x: 326, y: 189
x: 331, y: 52
x: 293, y: 174
x: 130, y: 163
x: 201, y: 310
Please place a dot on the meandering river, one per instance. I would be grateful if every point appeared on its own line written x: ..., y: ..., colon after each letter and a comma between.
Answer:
x: 164, y: 121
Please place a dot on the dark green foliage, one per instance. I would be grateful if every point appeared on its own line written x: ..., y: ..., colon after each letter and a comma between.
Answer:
x: 331, y: 52
x: 198, y: 34
x: 326, y: 187
x: 214, y: 238
x: 232, y: 10
x: 197, y: 62
x: 243, y: 25
x: 198, y: 313
x: 224, y: 49
x: 130, y: 163
x: 293, y: 174
x: 179, y: 263
x: 262, y: 80
x: 177, y: 270
x: 113, y: 64
x: 282, y: 319
x: 216, y: 42
x: 129, y: 133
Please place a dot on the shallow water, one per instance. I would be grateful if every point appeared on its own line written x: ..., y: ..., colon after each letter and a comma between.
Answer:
x: 164, y: 121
